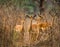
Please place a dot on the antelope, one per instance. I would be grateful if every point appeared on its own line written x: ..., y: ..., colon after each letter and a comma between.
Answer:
x: 44, y: 25
x: 34, y: 26
x: 20, y: 27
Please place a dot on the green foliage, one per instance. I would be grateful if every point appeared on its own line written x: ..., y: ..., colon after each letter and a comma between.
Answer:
x: 2, y: 2
x: 29, y: 6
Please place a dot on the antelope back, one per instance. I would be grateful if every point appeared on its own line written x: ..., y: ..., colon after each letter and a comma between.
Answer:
x: 44, y: 25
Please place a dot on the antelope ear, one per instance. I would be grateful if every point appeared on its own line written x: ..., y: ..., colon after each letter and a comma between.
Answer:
x: 27, y: 16
x: 34, y: 16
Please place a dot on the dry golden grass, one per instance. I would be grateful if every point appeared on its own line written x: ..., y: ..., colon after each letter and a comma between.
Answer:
x: 10, y: 21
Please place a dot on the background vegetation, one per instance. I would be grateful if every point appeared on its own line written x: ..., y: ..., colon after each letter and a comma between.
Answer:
x: 13, y: 11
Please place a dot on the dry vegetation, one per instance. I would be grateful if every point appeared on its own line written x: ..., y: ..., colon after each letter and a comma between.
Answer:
x: 16, y: 30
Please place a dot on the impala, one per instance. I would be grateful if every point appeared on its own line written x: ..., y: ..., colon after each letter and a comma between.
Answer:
x: 19, y: 27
